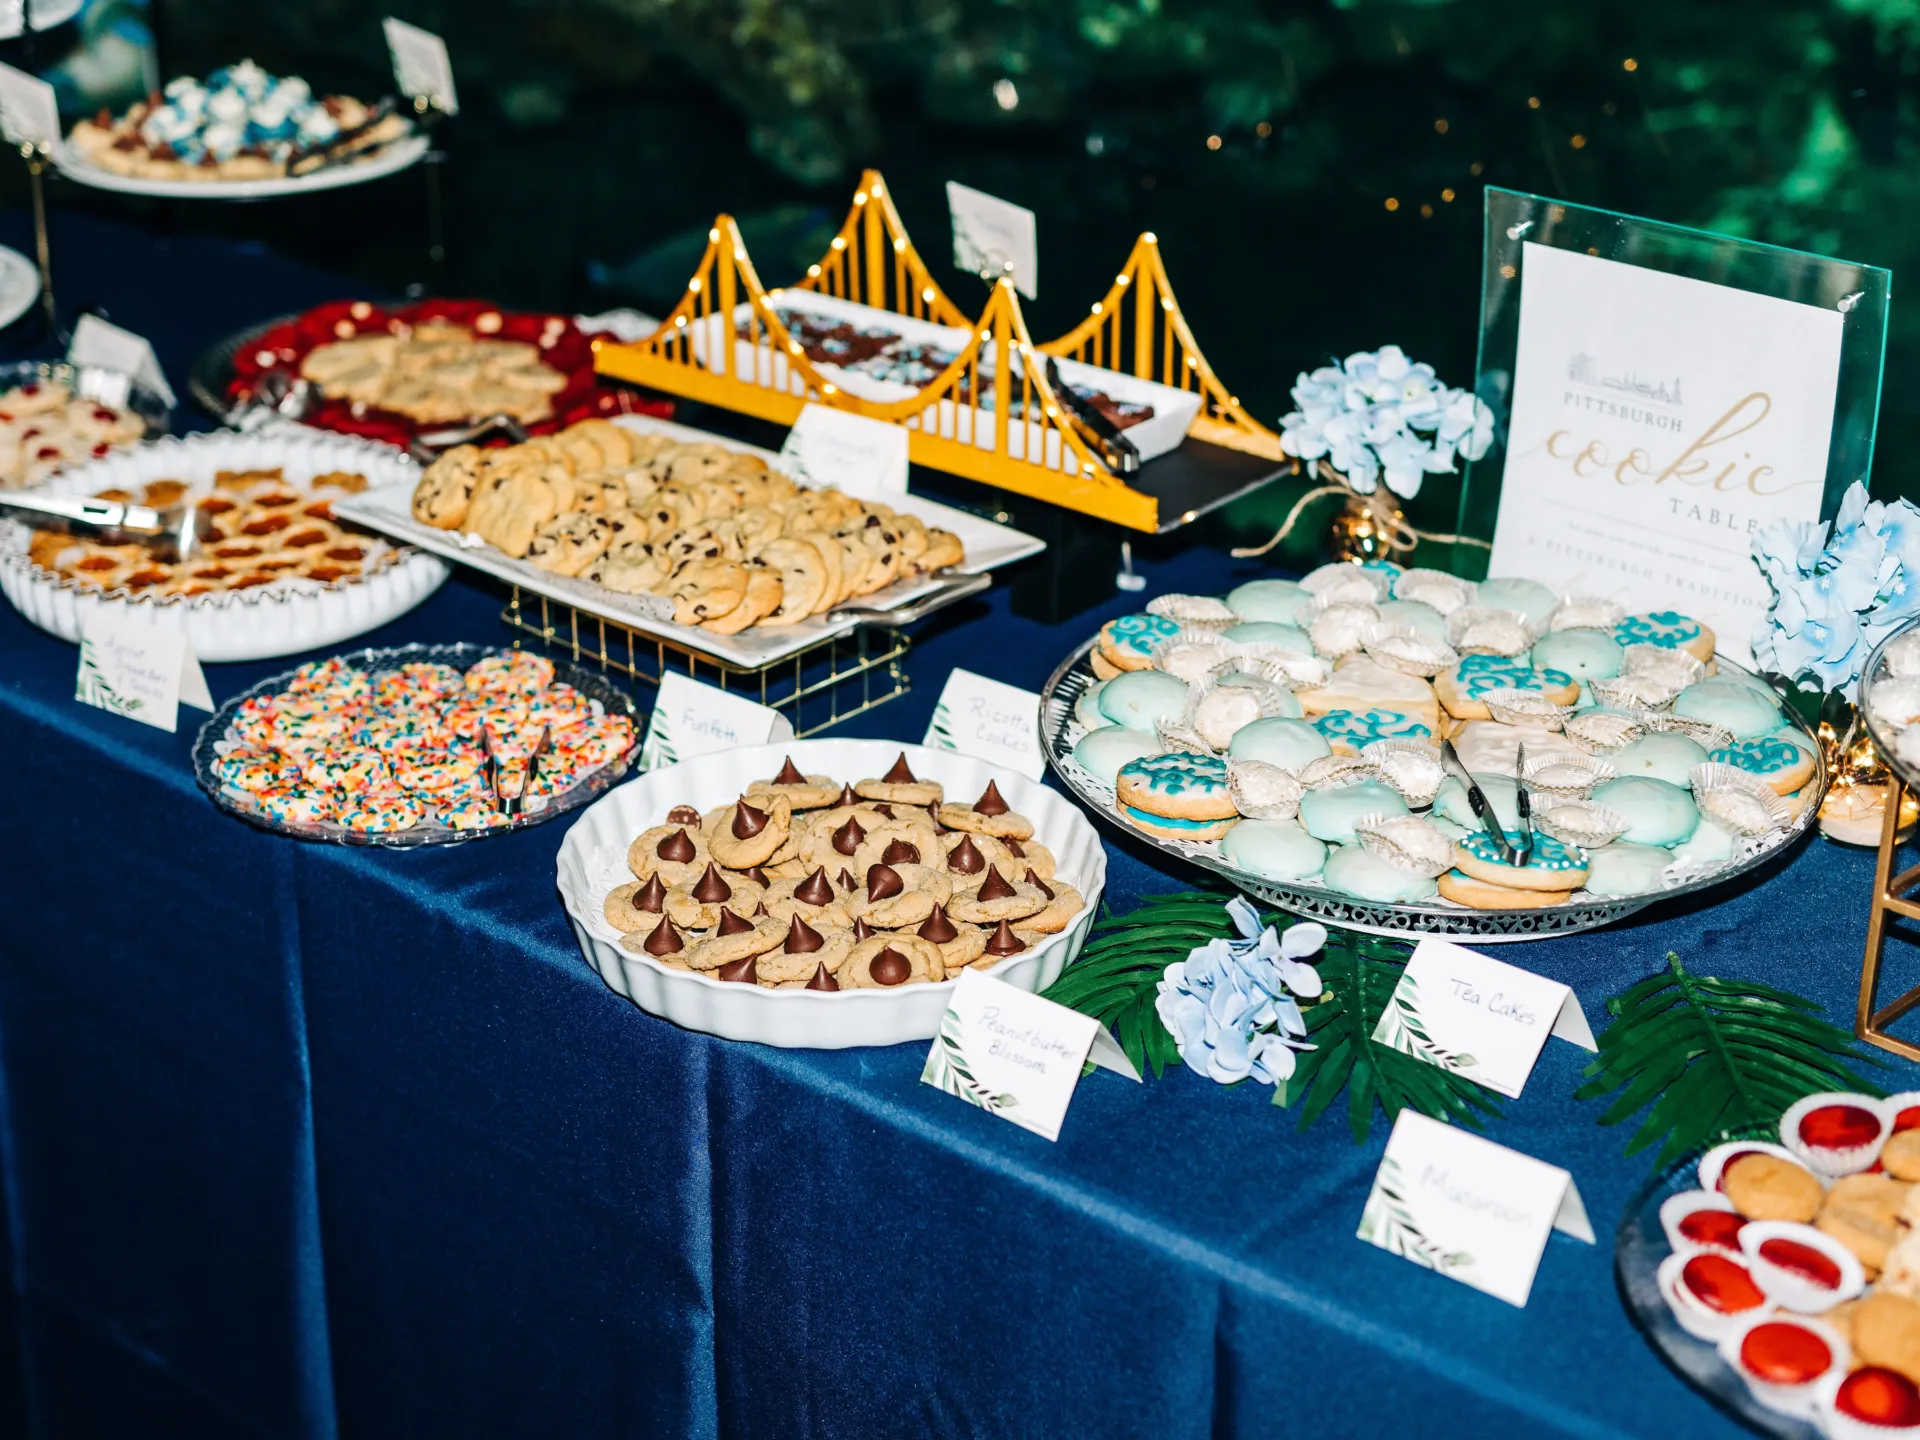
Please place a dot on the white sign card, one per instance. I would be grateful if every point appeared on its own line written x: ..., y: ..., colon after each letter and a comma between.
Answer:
x: 989, y: 720
x: 1658, y: 422
x: 1478, y: 1017
x: 866, y: 458
x: 994, y: 237
x: 138, y: 671
x: 97, y: 343
x: 1475, y: 1211
x: 692, y: 719
x: 421, y: 65
x: 29, y: 111
x: 1015, y: 1055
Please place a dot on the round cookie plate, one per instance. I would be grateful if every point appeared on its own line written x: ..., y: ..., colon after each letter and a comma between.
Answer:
x: 1312, y: 900
x: 593, y: 860
x: 391, y: 159
x: 1639, y: 1246
x: 1884, y: 735
x: 610, y: 698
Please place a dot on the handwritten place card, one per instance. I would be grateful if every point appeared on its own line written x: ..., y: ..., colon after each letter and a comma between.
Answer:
x: 1015, y: 1055
x: 692, y: 719
x: 865, y: 458
x: 421, y: 65
x: 988, y: 720
x: 29, y: 112
x: 1478, y: 1017
x: 138, y: 671
x: 990, y: 235
x: 108, y: 347
x: 1475, y: 1211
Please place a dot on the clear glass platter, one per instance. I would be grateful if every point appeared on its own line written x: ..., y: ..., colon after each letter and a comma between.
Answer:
x: 1883, y: 736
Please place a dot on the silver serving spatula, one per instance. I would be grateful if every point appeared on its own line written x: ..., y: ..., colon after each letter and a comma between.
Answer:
x: 171, y: 534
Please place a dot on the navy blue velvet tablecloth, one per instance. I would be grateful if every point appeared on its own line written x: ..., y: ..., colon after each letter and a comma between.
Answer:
x: 307, y: 1140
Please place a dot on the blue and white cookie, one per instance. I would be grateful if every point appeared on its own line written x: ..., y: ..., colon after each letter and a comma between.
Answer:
x: 1350, y: 731
x: 1665, y: 755
x: 1270, y: 632
x: 1273, y: 849
x: 1583, y: 654
x: 1782, y: 763
x: 1329, y: 815
x: 1139, y: 698
x: 1181, y: 796
x: 1462, y: 690
x: 1656, y: 812
x: 1502, y: 792
x: 1740, y: 710
x: 1421, y: 618
x: 1266, y: 600
x: 1102, y: 752
x: 1478, y: 894
x: 1128, y: 642
x: 1708, y: 845
x: 1626, y: 868
x: 1290, y: 744
x: 1087, y: 708
x: 1528, y: 599
x: 1668, y: 629
x: 1354, y: 870
x: 1551, y: 864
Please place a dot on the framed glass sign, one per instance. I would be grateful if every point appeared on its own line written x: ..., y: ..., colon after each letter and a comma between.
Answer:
x: 1660, y: 394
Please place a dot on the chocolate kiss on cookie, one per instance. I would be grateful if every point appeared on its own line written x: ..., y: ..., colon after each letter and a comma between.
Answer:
x: 746, y: 969
x: 1013, y: 848
x: 760, y: 911
x: 900, y: 774
x: 995, y: 886
x: 862, y: 930
x: 758, y: 876
x: 847, y: 797
x: 1039, y: 884
x: 899, y: 852
x: 676, y: 847
x: 990, y: 801
x: 747, y: 821
x: 732, y: 924
x: 890, y: 967
x: 845, y: 877
x: 789, y: 773
x: 937, y: 927
x: 848, y: 837
x: 822, y: 980
x: 886, y: 810
x: 665, y: 940
x: 934, y: 811
x: 651, y: 897
x: 802, y: 938
x: 883, y: 882
x: 1004, y: 941
x: 683, y: 815
x: 712, y: 889
x: 816, y: 890
x: 965, y: 858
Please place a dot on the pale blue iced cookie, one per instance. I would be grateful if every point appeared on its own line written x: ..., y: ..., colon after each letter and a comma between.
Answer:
x: 1738, y: 709
x: 1087, y: 708
x: 1447, y: 828
x: 1329, y: 814
x: 1128, y: 642
x: 1583, y: 654
x: 1273, y: 849
x: 1708, y: 845
x: 1266, y: 599
x: 1290, y: 744
x: 1141, y: 697
x: 1179, y: 795
x: 1348, y: 731
x: 1624, y: 868
x: 1668, y: 629
x: 1271, y: 632
x: 1551, y: 864
x: 1102, y: 752
x: 1524, y: 597
x: 1354, y: 870
x: 1450, y: 802
x: 1728, y: 674
x: 1664, y: 755
x: 1782, y: 763
x: 1656, y: 812
x: 1416, y: 616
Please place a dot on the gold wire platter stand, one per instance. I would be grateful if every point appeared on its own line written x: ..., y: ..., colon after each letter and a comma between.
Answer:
x: 1891, y: 892
x: 1137, y: 326
x: 815, y: 689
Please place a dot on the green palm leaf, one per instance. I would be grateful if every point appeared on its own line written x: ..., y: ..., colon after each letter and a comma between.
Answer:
x: 1714, y: 1058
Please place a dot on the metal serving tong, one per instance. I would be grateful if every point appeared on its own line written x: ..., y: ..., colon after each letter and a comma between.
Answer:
x: 1523, y: 846
x: 1477, y: 801
x: 1114, y: 447
x: 427, y: 445
x: 173, y: 533
x: 512, y: 806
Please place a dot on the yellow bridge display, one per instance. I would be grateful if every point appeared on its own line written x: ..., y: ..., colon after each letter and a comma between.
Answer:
x: 991, y: 414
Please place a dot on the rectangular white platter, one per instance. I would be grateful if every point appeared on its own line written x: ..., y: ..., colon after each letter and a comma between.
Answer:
x: 390, y: 511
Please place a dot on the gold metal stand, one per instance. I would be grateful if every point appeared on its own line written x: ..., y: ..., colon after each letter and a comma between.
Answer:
x: 1889, y: 897
x: 815, y: 689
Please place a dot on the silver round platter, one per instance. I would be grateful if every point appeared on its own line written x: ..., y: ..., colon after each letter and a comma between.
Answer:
x: 1059, y: 730
x: 1886, y: 737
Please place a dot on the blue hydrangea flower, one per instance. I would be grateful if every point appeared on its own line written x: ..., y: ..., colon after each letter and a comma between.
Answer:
x: 1379, y: 416
x: 1230, y: 1005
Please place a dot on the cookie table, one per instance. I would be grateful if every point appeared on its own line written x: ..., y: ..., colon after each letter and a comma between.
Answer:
x: 304, y: 1141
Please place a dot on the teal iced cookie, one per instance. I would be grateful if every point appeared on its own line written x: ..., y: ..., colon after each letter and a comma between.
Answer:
x: 1447, y: 828
x: 1329, y: 814
x: 1354, y: 870
x: 1274, y: 849
x: 1135, y: 636
x: 1290, y: 744
x: 1780, y: 759
x: 1502, y: 792
x: 1664, y: 755
x: 1583, y: 654
x: 1656, y: 812
x: 1475, y: 675
x: 1087, y: 708
x: 1547, y: 857
x: 1362, y: 727
x: 1625, y: 868
x: 1708, y: 845
x: 1524, y: 597
x: 1140, y: 697
x: 1742, y: 711
x: 1727, y: 674
x: 1668, y: 629
x: 1271, y: 632
x: 1266, y: 599
x: 1417, y: 616
x: 1102, y: 752
x: 1179, y: 795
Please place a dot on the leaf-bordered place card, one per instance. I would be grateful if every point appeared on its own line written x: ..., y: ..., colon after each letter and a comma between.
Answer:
x: 1478, y: 1017
x: 1472, y: 1210
x: 988, y: 720
x: 421, y: 65
x: 1015, y: 1055
x: 29, y: 110
x: 692, y: 719
x: 138, y: 671
x: 993, y: 237
x: 107, y: 347
x: 864, y: 457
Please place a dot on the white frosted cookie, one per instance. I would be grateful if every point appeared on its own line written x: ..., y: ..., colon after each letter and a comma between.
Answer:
x: 1486, y: 747
x: 1360, y: 684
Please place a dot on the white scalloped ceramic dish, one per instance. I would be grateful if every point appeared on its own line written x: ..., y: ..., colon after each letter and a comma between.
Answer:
x: 258, y: 624
x: 593, y: 859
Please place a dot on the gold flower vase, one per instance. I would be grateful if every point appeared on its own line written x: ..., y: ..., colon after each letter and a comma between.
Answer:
x: 1371, y: 527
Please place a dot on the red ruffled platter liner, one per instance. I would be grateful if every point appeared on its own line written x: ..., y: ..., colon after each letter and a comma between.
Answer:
x: 564, y: 347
